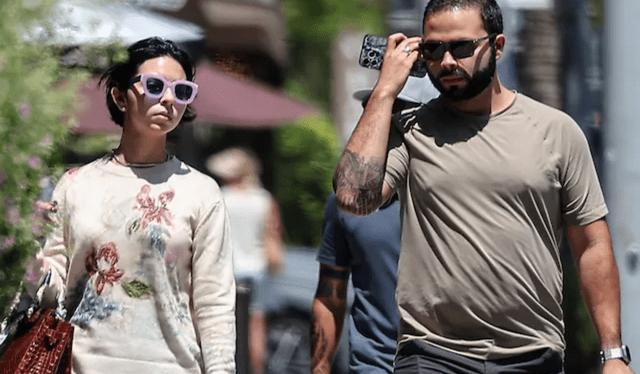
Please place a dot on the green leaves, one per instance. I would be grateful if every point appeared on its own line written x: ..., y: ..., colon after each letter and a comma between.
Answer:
x: 137, y: 289
x: 322, y: 20
x: 36, y: 95
x: 314, y: 26
x: 307, y: 153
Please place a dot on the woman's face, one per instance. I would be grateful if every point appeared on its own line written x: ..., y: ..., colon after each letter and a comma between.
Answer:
x: 153, y: 116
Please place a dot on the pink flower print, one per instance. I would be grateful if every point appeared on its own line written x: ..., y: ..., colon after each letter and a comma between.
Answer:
x: 103, y: 261
x: 154, y: 210
x: 71, y: 173
x: 165, y: 197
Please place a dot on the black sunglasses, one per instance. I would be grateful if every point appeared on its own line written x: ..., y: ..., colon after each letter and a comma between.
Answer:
x: 458, y: 48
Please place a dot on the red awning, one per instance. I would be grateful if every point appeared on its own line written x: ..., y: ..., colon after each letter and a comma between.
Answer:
x: 94, y: 117
x: 222, y: 100
x: 225, y: 100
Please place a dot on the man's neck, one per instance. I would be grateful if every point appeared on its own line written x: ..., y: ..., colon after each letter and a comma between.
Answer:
x: 493, y: 99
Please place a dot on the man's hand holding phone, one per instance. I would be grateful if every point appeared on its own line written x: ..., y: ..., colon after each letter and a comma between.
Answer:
x: 400, y: 56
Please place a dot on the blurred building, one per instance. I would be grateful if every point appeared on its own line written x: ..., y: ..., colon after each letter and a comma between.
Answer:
x: 247, y: 37
x: 241, y: 52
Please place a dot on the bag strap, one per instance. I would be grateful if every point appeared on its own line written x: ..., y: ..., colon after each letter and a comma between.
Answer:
x: 5, y: 330
x: 61, y: 311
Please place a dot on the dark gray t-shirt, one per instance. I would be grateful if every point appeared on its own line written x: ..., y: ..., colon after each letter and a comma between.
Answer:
x: 484, y: 200
x: 370, y: 247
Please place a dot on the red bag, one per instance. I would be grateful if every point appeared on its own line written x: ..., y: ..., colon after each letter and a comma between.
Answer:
x: 34, y: 340
x: 41, y: 345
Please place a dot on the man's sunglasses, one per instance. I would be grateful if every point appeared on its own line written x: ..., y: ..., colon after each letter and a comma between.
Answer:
x: 154, y: 87
x: 432, y: 51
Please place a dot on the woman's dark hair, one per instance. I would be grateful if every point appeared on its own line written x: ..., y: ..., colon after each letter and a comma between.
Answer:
x: 119, y: 74
x: 489, y: 10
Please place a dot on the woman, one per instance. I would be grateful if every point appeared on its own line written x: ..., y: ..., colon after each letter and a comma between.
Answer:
x: 141, y: 252
x: 256, y: 231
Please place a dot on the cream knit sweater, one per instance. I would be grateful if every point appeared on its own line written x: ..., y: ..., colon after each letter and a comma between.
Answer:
x: 143, y: 260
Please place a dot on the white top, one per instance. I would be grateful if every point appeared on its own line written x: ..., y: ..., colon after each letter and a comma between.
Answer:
x: 146, y: 262
x: 248, y: 212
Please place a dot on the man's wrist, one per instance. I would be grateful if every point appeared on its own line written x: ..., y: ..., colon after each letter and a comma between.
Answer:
x: 383, y: 94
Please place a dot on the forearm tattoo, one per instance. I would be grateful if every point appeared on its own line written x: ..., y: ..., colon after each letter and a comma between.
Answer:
x: 332, y: 284
x: 332, y: 292
x: 319, y: 346
x: 360, y: 182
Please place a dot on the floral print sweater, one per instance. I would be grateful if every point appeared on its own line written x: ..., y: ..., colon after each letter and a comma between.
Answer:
x: 142, y: 258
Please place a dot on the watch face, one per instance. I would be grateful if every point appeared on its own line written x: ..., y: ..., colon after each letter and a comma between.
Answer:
x: 626, y: 354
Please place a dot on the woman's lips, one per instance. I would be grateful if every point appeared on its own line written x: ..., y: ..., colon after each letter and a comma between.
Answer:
x: 163, y: 115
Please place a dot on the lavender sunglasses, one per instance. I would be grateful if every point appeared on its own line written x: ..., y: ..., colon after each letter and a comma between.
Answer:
x: 154, y: 87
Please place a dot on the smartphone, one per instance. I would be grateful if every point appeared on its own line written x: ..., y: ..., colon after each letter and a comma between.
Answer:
x: 372, y: 52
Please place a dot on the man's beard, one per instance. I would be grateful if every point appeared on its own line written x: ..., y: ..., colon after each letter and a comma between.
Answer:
x: 475, y: 83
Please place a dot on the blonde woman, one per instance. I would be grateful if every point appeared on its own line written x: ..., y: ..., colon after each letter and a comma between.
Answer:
x: 256, y: 229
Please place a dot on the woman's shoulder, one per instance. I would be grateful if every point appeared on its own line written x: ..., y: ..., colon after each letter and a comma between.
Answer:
x: 195, y: 180
x: 78, y: 173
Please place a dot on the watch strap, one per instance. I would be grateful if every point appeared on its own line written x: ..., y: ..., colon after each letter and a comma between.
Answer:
x: 621, y: 352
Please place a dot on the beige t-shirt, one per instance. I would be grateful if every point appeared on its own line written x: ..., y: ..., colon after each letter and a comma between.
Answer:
x: 484, y: 200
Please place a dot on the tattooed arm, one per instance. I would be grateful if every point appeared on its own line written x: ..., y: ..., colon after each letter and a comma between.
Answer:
x: 329, y: 308
x: 359, y: 176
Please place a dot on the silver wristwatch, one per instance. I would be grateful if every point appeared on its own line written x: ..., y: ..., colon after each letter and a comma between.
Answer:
x: 621, y: 352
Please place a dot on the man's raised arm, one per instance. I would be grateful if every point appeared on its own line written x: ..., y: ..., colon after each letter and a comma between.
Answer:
x: 359, y: 176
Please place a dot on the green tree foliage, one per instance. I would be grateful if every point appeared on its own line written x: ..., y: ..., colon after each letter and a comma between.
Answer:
x: 306, y: 155
x: 313, y: 26
x: 36, y: 95
x: 595, y: 7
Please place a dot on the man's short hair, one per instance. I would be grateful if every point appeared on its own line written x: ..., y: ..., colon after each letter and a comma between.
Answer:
x: 489, y: 10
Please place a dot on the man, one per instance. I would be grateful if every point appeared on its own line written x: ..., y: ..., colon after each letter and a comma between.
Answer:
x: 368, y: 249
x: 487, y: 179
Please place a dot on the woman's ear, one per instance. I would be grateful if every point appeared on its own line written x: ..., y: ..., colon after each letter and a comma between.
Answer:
x: 120, y: 98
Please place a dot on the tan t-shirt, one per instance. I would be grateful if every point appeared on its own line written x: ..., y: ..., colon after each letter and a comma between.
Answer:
x: 484, y: 200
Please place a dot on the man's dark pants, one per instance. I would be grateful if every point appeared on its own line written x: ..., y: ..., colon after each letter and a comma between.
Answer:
x: 421, y: 358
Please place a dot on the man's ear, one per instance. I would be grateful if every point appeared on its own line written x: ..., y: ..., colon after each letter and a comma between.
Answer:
x: 119, y: 97
x: 501, y: 40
